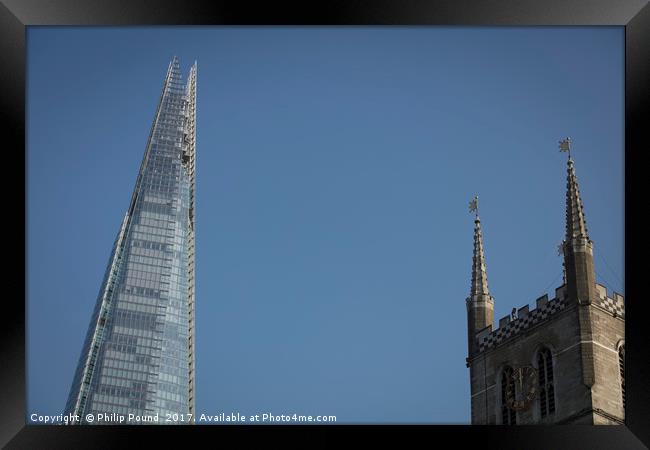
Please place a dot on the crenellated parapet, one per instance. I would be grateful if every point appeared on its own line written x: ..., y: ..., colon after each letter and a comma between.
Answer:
x: 524, y: 318
x: 614, y: 304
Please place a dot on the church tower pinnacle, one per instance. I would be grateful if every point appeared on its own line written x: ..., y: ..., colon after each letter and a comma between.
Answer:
x: 480, y: 304
x: 579, y: 266
x: 578, y: 248
x: 479, y: 272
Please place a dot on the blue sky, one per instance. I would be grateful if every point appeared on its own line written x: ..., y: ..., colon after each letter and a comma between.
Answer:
x: 334, y: 170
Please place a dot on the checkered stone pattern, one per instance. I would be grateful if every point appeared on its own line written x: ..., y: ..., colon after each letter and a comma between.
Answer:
x: 616, y: 307
x: 533, y: 317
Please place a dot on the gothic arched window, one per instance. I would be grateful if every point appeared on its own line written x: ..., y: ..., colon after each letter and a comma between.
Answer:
x: 545, y: 376
x: 508, y: 416
x: 621, y: 368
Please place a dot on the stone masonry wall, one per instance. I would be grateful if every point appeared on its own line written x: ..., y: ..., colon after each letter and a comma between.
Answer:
x: 554, y: 324
x: 608, y: 333
x: 559, y: 335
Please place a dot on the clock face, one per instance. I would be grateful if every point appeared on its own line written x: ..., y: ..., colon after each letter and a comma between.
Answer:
x: 521, y: 388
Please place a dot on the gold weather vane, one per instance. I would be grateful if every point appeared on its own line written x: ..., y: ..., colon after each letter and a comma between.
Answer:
x: 473, y: 205
x: 565, y: 145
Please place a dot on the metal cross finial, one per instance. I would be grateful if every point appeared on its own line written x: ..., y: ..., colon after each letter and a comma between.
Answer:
x: 565, y: 145
x: 473, y: 205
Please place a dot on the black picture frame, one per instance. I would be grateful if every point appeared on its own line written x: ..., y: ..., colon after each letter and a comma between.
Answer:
x: 634, y: 15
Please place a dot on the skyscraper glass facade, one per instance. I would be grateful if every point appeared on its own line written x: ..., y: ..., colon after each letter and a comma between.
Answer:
x: 138, y: 355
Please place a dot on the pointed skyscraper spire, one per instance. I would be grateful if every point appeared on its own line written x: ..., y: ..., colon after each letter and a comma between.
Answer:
x: 480, y: 304
x: 144, y: 314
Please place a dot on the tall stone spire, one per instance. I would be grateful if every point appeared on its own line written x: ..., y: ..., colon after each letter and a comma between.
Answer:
x: 578, y: 248
x: 579, y: 267
x: 480, y: 304
x: 576, y: 227
x: 479, y: 272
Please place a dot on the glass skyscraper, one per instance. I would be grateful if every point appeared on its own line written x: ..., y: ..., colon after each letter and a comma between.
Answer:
x: 138, y: 355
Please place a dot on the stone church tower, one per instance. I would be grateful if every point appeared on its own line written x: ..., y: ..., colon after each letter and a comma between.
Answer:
x: 561, y: 362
